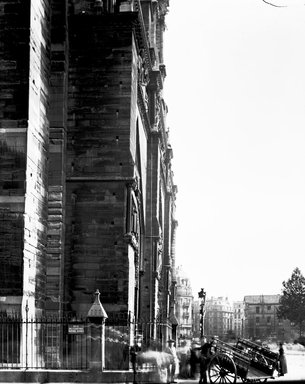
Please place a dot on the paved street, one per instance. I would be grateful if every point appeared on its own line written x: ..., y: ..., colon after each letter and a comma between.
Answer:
x: 296, y: 370
x: 296, y: 367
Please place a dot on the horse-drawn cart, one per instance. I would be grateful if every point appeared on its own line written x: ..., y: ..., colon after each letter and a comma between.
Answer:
x: 247, y: 360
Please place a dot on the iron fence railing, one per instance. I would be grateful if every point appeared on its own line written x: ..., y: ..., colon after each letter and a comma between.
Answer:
x: 66, y: 343
x: 43, y: 343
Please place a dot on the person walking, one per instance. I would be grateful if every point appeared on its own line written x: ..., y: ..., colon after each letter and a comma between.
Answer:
x: 194, y: 360
x: 282, y: 361
x: 205, y: 356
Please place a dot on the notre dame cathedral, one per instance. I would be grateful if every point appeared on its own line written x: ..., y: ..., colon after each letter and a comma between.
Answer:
x: 87, y: 196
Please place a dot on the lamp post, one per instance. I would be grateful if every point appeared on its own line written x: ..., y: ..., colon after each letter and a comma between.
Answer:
x: 201, y: 296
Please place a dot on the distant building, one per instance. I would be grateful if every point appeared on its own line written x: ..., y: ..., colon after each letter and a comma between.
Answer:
x: 261, y: 320
x: 218, y: 317
x: 196, y: 319
x: 238, y: 318
x: 184, y: 306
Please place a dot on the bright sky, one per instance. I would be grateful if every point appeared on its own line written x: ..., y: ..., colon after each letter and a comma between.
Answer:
x: 235, y: 89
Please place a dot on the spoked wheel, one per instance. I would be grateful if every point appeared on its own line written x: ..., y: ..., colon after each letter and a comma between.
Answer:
x: 260, y: 358
x: 222, y: 369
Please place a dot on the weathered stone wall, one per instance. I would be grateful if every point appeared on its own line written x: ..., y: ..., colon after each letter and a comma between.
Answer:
x: 35, y: 215
x: 96, y: 253
x: 89, y: 6
x: 151, y: 261
x: 14, y: 59
x: 24, y: 71
x: 99, y: 161
x: 83, y: 182
x: 14, y: 78
x: 99, y: 97
x: 57, y: 156
x: 11, y: 245
x: 156, y: 281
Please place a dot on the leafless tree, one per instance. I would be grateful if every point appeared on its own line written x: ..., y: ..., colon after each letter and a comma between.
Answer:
x: 274, y: 5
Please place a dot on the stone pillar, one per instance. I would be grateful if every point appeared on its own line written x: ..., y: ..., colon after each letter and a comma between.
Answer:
x: 97, y: 316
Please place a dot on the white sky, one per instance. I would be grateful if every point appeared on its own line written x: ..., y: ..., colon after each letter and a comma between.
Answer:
x: 235, y: 89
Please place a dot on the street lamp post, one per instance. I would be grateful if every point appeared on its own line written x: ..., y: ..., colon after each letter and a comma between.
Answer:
x: 201, y: 296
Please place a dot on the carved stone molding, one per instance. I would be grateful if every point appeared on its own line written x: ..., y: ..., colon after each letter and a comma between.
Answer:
x: 133, y: 184
x: 132, y: 239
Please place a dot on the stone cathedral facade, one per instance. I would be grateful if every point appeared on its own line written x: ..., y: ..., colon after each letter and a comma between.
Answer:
x: 87, y: 196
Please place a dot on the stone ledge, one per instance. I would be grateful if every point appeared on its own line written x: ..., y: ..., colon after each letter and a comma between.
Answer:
x: 92, y: 376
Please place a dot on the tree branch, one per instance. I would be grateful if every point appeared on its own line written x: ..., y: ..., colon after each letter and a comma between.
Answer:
x: 274, y: 5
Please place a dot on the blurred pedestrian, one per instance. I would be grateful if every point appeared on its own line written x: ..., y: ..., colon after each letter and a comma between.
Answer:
x: 194, y: 360
x: 282, y: 361
x: 205, y: 357
x: 171, y: 350
x: 183, y: 353
x: 134, y: 349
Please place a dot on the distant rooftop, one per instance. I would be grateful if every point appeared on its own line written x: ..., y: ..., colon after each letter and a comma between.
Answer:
x: 260, y: 299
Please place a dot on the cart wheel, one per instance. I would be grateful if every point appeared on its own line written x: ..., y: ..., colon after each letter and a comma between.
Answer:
x: 222, y: 369
x: 261, y: 359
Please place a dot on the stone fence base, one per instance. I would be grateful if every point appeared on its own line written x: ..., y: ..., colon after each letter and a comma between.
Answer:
x: 92, y: 376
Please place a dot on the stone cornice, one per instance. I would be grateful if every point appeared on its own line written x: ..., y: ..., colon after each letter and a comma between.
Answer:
x: 133, y: 18
x: 141, y: 34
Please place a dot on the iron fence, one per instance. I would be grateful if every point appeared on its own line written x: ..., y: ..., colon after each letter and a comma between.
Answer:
x: 53, y: 343
x: 43, y: 343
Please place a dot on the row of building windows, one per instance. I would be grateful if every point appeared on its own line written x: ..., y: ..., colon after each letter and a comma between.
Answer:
x: 257, y: 320
x: 261, y: 309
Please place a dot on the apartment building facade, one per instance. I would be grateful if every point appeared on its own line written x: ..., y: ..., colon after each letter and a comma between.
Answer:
x: 238, y: 319
x: 261, y: 320
x: 219, y: 317
x: 184, y: 306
